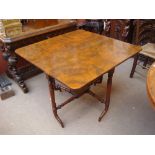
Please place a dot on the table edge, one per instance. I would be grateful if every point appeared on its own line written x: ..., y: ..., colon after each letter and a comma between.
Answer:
x: 152, y: 101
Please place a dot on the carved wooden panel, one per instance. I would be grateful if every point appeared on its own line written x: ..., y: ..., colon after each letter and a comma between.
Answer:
x: 144, y: 31
x: 117, y: 28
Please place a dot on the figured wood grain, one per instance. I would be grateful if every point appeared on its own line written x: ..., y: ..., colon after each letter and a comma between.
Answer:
x: 151, y: 84
x: 78, y: 57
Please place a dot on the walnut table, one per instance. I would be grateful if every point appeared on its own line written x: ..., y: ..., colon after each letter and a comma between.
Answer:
x: 77, y: 59
x: 151, y: 84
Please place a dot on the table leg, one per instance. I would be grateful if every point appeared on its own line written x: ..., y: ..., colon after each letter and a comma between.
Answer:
x: 51, y: 83
x: 134, y: 65
x: 108, y: 92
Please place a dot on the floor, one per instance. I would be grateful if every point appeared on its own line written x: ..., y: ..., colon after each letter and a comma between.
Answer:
x: 129, y: 113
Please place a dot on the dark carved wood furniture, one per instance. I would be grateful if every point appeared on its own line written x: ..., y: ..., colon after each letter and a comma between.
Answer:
x: 145, y: 30
x: 144, y: 36
x: 120, y: 29
x: 151, y: 84
x: 33, y: 31
x: 77, y: 59
x: 93, y: 25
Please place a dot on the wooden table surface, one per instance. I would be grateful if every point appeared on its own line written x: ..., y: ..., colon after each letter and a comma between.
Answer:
x: 78, y: 57
x: 151, y: 84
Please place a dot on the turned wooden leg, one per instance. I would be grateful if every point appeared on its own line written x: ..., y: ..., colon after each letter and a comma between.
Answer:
x: 10, y: 57
x: 108, y: 92
x: 134, y: 65
x: 15, y: 74
x: 51, y: 83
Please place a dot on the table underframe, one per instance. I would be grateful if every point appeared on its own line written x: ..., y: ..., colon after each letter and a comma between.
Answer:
x: 106, y: 101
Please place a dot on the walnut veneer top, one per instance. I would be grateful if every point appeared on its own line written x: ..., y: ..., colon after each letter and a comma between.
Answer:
x: 151, y: 83
x: 78, y: 57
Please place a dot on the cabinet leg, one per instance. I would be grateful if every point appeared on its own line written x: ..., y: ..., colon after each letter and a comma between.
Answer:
x: 17, y: 77
x: 12, y: 69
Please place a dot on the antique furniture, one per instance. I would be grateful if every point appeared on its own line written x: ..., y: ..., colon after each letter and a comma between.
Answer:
x: 93, y: 25
x: 121, y: 29
x: 33, y: 31
x: 151, y: 84
x: 144, y: 36
x: 77, y: 59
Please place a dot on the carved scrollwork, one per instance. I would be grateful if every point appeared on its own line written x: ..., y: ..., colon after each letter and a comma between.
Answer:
x: 12, y: 60
x: 125, y: 31
x: 145, y: 31
x: 118, y: 29
x: 107, y: 27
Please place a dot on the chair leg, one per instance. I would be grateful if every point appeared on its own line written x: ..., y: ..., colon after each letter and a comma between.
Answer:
x: 145, y: 62
x: 134, y: 65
